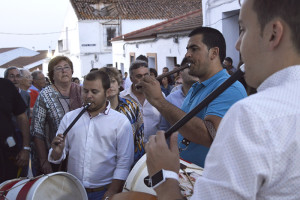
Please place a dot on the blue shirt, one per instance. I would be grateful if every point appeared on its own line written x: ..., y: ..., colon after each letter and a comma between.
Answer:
x: 196, y: 153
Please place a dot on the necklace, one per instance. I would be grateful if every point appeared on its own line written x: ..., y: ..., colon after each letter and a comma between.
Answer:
x: 63, y: 99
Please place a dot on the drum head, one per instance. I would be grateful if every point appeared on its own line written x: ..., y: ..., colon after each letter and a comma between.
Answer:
x: 60, y: 186
x: 133, y: 196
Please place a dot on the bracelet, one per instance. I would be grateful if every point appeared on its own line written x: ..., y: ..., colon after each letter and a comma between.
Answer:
x: 27, y: 148
x: 106, y: 198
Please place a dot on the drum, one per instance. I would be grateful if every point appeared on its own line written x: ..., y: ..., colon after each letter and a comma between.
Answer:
x: 55, y: 186
x: 187, y: 177
x: 133, y: 196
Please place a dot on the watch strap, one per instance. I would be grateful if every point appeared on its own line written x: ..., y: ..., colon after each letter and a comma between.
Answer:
x: 27, y: 148
x: 167, y: 174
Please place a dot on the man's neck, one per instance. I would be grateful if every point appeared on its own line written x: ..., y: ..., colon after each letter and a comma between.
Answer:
x: 185, y: 88
x: 23, y: 88
x: 139, y: 95
x: 37, y: 87
x: 96, y: 112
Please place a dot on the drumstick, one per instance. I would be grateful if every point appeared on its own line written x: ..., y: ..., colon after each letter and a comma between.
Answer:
x: 160, y: 77
x: 214, y: 94
x: 75, y: 120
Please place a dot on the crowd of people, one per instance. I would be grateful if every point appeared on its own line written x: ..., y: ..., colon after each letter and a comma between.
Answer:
x: 247, y: 144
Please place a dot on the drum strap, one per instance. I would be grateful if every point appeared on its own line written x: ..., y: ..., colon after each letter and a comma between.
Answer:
x: 25, y: 189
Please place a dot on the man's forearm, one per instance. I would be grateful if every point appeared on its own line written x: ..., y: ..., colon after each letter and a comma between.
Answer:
x: 194, y: 130
x: 169, y: 190
x: 23, y: 123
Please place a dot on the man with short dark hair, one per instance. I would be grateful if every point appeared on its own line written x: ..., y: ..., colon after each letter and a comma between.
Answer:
x: 139, y: 69
x: 228, y: 65
x: 206, y: 49
x: 257, y: 156
x: 100, y: 154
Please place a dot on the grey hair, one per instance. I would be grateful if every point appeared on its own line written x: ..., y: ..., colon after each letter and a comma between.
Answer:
x: 22, y: 71
x: 35, y: 74
x: 8, y: 69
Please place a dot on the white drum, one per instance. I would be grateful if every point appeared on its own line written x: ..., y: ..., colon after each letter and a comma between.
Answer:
x: 55, y: 186
x: 187, y: 178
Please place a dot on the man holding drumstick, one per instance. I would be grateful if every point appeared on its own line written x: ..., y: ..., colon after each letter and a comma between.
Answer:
x: 100, y: 153
x: 257, y: 156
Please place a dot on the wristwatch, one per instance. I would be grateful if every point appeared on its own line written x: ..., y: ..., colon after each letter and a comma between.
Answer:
x: 161, y: 177
x: 27, y: 148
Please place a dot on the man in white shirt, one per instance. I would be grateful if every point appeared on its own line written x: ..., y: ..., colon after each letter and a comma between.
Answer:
x: 138, y: 69
x: 100, y: 144
x: 257, y: 156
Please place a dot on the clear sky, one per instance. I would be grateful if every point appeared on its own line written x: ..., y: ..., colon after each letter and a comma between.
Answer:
x: 24, y: 23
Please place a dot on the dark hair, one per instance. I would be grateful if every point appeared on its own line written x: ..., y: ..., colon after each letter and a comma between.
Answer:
x: 166, y: 68
x: 8, y: 69
x: 212, y: 38
x: 53, y: 62
x: 137, y: 64
x: 94, y: 69
x: 112, y: 73
x: 287, y: 10
x: 95, y: 75
x: 142, y: 57
x: 229, y: 59
x: 152, y: 70
x: 74, y: 79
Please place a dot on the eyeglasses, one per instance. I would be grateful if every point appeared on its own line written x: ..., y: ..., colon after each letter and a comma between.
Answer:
x: 65, y: 68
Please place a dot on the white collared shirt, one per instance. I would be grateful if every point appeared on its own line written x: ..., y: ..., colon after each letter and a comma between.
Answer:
x: 258, y: 156
x: 100, y: 148
x: 151, y: 115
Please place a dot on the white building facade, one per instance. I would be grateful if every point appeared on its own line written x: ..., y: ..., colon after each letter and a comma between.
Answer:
x: 223, y: 15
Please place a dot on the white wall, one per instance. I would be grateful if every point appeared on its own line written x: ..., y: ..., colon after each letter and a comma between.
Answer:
x: 162, y: 47
x: 132, y: 25
x: 223, y: 15
x: 86, y: 42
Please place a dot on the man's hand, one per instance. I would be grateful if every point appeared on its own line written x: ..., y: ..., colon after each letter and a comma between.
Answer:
x: 159, y: 156
x: 46, y: 167
x: 152, y: 91
x: 22, y: 158
x: 58, y: 145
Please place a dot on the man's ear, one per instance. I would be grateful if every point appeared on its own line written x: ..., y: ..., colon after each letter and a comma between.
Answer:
x: 274, y: 33
x: 213, y: 53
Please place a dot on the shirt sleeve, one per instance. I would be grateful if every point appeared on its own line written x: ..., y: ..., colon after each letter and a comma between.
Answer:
x: 125, y: 151
x: 239, y: 160
x: 61, y: 128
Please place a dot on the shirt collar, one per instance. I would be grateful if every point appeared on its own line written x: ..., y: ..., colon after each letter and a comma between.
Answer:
x: 214, y: 77
x: 281, y: 77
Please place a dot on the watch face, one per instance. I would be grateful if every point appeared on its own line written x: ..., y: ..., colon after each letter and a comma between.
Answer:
x: 156, y: 178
